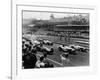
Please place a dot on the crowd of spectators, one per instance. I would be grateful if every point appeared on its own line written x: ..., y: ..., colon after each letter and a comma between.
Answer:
x: 30, y: 59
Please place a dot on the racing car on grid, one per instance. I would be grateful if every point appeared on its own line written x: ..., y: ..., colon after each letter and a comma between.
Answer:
x: 40, y: 40
x: 41, y: 48
x: 78, y: 48
x: 67, y: 49
x: 47, y: 50
x: 47, y: 42
x: 35, y: 42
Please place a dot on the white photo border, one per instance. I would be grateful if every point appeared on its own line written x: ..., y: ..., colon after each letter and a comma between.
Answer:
x: 17, y: 71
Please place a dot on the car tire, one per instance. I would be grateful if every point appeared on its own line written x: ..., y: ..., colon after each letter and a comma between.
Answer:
x: 60, y: 49
x: 51, y: 43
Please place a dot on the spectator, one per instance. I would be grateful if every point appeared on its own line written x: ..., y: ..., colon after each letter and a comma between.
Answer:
x: 40, y: 63
x: 65, y: 58
x: 29, y: 61
x: 33, y: 50
x: 60, y: 36
x: 48, y: 65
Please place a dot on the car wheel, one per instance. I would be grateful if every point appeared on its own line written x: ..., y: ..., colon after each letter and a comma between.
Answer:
x: 60, y: 49
x: 51, y: 43
x: 48, y: 43
x: 83, y: 50
x: 51, y: 53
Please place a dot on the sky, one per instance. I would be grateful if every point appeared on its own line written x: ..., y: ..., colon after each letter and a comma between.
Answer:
x: 45, y: 15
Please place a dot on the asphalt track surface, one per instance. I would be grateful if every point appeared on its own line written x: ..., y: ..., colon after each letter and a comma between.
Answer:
x: 81, y: 59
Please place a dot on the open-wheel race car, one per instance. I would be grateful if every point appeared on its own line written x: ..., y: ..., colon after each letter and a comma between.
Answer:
x: 79, y: 48
x: 47, y: 50
x: 67, y: 49
x: 44, y: 49
x: 47, y: 42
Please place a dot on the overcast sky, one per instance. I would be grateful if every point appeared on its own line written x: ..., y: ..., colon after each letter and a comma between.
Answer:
x: 45, y: 15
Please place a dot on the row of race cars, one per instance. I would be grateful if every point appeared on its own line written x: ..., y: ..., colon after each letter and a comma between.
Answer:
x: 71, y: 48
x: 37, y: 45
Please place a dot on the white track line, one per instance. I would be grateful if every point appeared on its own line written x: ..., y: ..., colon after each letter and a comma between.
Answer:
x: 52, y: 60
x: 55, y: 62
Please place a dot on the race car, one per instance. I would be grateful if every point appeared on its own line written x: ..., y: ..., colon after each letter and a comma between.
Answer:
x: 35, y: 42
x: 64, y: 56
x: 47, y: 50
x: 79, y: 48
x: 47, y: 42
x: 67, y: 49
x: 40, y: 40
